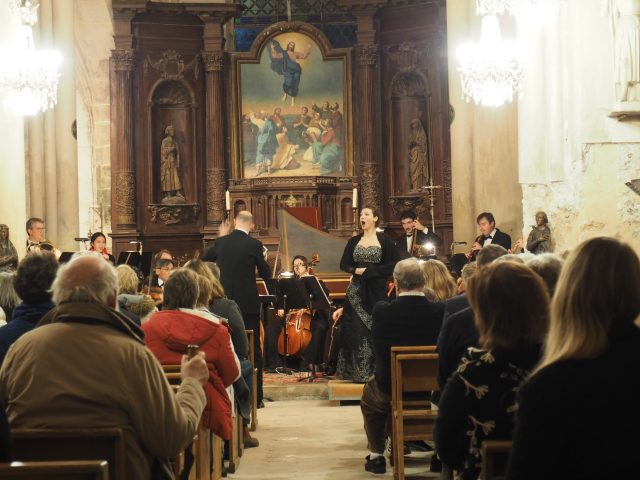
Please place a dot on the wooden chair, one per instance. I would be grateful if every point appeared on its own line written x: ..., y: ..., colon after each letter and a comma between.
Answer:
x: 413, y: 375
x: 254, y: 384
x: 495, y: 455
x: 236, y: 443
x: 67, y: 470
x: 45, y: 444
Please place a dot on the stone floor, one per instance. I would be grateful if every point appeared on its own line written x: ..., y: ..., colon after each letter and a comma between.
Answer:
x: 311, y: 440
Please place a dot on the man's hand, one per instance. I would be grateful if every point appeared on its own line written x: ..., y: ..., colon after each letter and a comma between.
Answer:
x: 195, y: 367
x: 516, y: 246
x: 225, y: 228
x: 419, y: 226
x: 337, y: 314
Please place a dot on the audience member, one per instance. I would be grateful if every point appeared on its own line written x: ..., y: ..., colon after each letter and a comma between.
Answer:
x: 511, y: 309
x: 169, y: 332
x: 86, y: 365
x: 223, y: 307
x: 439, y: 283
x: 8, y: 297
x: 411, y: 319
x: 548, y: 266
x: 590, y: 354
x: 32, y: 281
x: 467, y: 272
x: 134, y: 305
x: 8, y: 253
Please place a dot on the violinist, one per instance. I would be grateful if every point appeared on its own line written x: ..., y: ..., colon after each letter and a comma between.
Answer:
x: 163, y: 267
x: 99, y: 244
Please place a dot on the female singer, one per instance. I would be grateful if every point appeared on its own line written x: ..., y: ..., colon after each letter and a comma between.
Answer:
x: 99, y: 244
x: 370, y: 258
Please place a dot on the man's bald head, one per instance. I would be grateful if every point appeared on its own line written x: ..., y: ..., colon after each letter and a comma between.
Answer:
x: 244, y: 220
x: 86, y: 279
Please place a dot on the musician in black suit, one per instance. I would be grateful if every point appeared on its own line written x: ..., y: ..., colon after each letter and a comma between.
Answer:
x: 414, y: 235
x: 489, y: 234
x: 238, y: 255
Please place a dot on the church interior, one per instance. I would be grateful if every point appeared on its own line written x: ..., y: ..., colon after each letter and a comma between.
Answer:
x: 168, y: 118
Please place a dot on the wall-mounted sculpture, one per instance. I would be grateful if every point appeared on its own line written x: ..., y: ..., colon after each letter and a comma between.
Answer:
x: 418, y: 156
x: 170, y: 165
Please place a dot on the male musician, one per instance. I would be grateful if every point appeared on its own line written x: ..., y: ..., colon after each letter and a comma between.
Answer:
x: 416, y: 237
x: 36, y: 240
x: 489, y: 234
x: 238, y: 254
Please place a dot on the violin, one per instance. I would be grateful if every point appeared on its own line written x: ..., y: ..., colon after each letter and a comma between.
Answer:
x: 298, y: 324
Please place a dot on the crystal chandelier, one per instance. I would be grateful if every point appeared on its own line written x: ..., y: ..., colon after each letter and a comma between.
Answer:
x: 28, y: 77
x: 490, y: 70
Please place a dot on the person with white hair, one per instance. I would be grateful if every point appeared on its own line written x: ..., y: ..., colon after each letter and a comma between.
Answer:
x: 87, y: 365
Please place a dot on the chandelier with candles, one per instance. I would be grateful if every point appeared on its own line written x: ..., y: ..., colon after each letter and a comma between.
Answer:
x: 28, y: 77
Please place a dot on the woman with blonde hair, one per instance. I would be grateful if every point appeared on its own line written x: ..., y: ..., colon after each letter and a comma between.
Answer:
x: 587, y: 384
x: 134, y: 305
x: 439, y: 283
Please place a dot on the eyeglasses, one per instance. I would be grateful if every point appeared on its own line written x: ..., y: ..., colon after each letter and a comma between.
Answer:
x: 166, y: 269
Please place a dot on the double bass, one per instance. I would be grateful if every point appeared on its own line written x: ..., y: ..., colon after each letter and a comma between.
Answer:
x: 298, y: 324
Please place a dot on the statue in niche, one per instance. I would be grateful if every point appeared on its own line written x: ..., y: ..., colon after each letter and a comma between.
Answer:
x: 625, y: 23
x: 170, y: 183
x: 539, y: 240
x: 418, y: 165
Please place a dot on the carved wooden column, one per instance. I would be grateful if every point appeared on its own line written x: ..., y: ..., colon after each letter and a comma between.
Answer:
x: 123, y: 176
x: 214, y: 61
x: 365, y: 89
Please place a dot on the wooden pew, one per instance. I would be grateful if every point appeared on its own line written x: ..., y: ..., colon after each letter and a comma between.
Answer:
x: 102, y: 444
x: 68, y: 470
x: 413, y: 371
x: 204, y: 443
x: 495, y: 455
x: 254, y: 384
x: 236, y: 443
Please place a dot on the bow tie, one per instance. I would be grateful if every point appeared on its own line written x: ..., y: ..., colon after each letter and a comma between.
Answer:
x: 488, y: 237
x: 409, y: 236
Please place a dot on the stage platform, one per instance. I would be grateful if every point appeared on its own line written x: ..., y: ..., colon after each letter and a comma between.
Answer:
x: 296, y: 386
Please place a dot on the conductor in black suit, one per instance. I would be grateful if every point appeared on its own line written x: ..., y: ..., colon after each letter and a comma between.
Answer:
x: 415, y: 235
x: 489, y: 234
x: 238, y: 255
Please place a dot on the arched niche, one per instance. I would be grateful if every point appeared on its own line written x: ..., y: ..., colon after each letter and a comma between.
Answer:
x: 409, y: 100
x: 172, y: 103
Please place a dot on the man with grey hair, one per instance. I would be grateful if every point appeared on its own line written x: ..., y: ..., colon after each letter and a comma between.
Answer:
x: 548, y: 266
x: 411, y: 319
x: 86, y: 365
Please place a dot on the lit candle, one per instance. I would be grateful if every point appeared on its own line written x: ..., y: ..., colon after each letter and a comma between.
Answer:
x: 355, y: 198
x: 227, y: 200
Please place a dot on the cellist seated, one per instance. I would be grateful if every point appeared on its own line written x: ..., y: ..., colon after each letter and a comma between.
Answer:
x: 302, y: 324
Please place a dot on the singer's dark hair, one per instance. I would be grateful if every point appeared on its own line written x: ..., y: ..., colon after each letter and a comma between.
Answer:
x: 488, y: 216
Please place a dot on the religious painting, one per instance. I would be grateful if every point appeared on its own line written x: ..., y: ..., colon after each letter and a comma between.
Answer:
x: 293, y: 106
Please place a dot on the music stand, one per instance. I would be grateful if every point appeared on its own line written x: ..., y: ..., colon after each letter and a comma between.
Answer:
x: 291, y: 294
x: 318, y: 300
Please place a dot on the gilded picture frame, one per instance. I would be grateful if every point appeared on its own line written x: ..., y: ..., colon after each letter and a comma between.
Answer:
x: 291, y: 67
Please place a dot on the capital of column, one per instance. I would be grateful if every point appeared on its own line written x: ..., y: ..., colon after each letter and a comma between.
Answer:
x: 123, y: 59
x: 367, y: 55
x: 213, y: 61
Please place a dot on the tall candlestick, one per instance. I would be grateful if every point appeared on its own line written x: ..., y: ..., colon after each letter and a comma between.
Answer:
x: 227, y: 200
x: 355, y: 198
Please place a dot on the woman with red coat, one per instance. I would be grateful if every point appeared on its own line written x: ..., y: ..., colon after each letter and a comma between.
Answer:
x: 170, y: 331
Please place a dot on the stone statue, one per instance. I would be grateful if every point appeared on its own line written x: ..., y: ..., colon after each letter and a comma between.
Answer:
x: 170, y: 182
x: 418, y: 165
x: 539, y: 240
x: 625, y: 23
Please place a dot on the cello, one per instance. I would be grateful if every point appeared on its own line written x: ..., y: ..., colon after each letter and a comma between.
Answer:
x: 298, y: 324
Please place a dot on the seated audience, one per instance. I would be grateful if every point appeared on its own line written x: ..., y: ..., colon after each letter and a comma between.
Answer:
x: 439, y: 283
x: 86, y: 365
x: 32, y: 282
x: 98, y: 244
x: 134, y: 305
x: 548, y: 266
x: 467, y: 272
x: 511, y: 308
x: 8, y: 253
x: 411, y: 319
x: 8, y: 297
x: 586, y: 386
x: 170, y: 331
x: 215, y: 302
